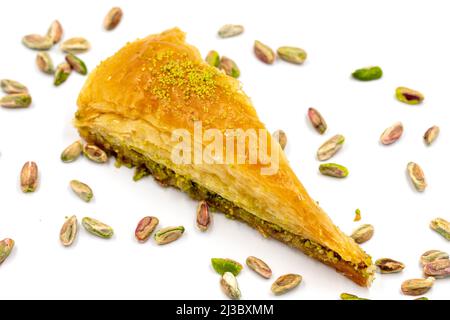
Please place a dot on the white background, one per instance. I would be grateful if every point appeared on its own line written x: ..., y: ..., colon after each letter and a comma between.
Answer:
x: 408, y: 39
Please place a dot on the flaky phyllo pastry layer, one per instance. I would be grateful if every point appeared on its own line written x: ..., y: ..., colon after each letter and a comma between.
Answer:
x: 133, y: 101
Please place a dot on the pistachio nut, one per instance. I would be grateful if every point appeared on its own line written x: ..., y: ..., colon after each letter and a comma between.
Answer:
x: 44, y: 62
x: 330, y: 147
x: 441, y: 226
x: 11, y: 86
x: 368, y: 73
x: 230, y: 286
x: 55, y: 31
x: 349, y: 296
x: 431, y: 134
x: 69, y: 231
x: 222, y: 265
x: 229, y: 67
x: 417, y: 287
x: 286, y: 283
x: 213, y: 58
x: 433, y: 255
x: 94, y: 153
x: 82, y: 190
x: 292, y: 54
x: 76, y: 64
x: 72, y: 152
x: 392, y: 134
x: 437, y: 269
x: 113, y: 18
x: 29, y: 177
x: 16, y: 100
x: 203, y: 216
x: 145, y: 228
x: 6, y: 246
x: 230, y: 30
x: 317, y: 121
x: 333, y: 170
x: 37, y: 42
x: 168, y: 235
x: 75, y: 45
x: 97, y: 228
x: 417, y: 176
x: 259, y: 266
x: 408, y: 96
x: 363, y: 233
x: 387, y: 265
x: 62, y: 72
x: 263, y: 52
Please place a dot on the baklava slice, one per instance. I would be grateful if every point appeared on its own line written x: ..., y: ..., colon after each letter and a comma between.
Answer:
x: 135, y: 102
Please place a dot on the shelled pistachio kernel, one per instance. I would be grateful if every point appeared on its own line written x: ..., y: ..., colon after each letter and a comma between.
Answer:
x: 363, y: 233
x: 441, y: 226
x: 16, y: 100
x: 417, y: 176
x: 263, y: 52
x: 230, y: 30
x: 281, y: 137
x: 94, y: 153
x: 317, y: 121
x: 229, y: 67
x: 368, y: 73
x: 259, y: 266
x: 431, y: 134
x: 55, y: 31
x: 82, y: 190
x: 213, y: 58
x: 333, y: 170
x: 433, y: 255
x: 37, y: 42
x: 62, y: 72
x: 75, y: 45
x: 349, y: 296
x: 286, y: 283
x: 292, y: 54
x: 145, y: 228
x: 97, y: 228
x: 230, y: 286
x: 69, y: 231
x: 29, y: 177
x: 417, y: 287
x: 438, y: 269
x: 72, y: 152
x: 387, y: 265
x: 330, y: 147
x: 203, y: 218
x: 12, y: 86
x: 168, y: 235
x: 6, y: 246
x: 222, y: 265
x: 76, y: 64
x: 408, y: 96
x: 112, y: 18
x: 44, y: 63
x: 392, y: 134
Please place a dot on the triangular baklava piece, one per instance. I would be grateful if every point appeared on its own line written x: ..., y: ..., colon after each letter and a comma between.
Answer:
x: 134, y: 102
